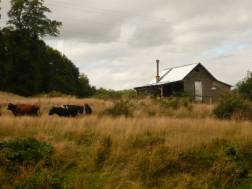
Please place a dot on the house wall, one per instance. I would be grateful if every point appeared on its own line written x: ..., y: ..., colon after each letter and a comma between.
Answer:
x: 208, y: 82
x: 151, y: 90
x: 173, y: 89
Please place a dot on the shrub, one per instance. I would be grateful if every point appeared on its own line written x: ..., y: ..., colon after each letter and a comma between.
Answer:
x: 232, y: 105
x: 245, y: 87
x: 231, y: 170
x: 112, y: 94
x: 53, y: 94
x: 42, y: 180
x: 152, y: 167
x: 175, y: 102
x: 23, y: 152
x: 121, y: 108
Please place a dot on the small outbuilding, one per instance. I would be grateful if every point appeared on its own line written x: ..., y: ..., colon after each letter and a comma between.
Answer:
x: 193, y: 79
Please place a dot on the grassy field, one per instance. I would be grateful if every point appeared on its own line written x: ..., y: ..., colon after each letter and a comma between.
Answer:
x: 159, y: 146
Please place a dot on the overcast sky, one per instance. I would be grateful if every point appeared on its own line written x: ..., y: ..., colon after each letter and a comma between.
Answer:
x: 116, y: 42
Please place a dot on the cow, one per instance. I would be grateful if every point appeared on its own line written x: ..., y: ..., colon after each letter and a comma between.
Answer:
x: 23, y: 109
x: 63, y: 112
x: 79, y: 109
x: 86, y: 109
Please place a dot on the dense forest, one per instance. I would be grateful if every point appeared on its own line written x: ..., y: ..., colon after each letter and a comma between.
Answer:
x: 28, y: 66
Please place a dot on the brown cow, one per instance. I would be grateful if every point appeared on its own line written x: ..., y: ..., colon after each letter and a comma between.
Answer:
x: 23, y: 109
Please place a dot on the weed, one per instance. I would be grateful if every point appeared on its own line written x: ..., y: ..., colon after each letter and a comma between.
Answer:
x: 121, y: 108
x: 42, y: 180
x: 24, y: 152
x: 232, y: 105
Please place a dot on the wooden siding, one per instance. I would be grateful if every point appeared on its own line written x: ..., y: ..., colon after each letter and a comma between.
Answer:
x: 208, y: 82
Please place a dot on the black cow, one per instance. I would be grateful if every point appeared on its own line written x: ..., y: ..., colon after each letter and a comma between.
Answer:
x: 86, y: 109
x: 64, y: 112
x: 79, y: 109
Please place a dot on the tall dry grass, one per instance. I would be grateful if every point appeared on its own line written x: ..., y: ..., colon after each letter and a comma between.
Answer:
x: 177, y: 133
x: 181, y: 128
x: 100, y: 151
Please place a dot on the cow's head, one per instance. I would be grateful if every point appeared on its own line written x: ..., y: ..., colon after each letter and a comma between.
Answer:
x: 52, y: 111
x: 11, y: 106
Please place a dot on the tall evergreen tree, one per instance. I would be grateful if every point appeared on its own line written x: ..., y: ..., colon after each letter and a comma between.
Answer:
x: 30, y: 16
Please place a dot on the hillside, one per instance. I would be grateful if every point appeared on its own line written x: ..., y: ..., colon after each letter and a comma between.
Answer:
x: 158, y: 146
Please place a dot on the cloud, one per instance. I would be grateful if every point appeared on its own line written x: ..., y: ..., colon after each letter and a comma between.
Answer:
x: 116, y: 42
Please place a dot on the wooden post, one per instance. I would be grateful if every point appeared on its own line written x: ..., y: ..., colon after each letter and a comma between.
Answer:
x: 161, y: 91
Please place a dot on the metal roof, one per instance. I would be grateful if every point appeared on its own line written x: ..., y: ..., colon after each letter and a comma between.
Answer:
x: 174, y: 74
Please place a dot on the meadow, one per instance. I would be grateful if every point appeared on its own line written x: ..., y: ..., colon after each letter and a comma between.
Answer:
x: 156, y: 145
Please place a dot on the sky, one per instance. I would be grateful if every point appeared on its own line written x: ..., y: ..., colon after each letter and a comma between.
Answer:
x: 116, y: 42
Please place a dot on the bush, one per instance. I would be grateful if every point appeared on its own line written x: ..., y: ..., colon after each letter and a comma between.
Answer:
x: 23, y: 152
x: 245, y: 87
x: 175, y: 102
x: 53, y: 94
x: 121, y: 108
x: 42, y: 180
x: 111, y: 94
x: 232, y: 105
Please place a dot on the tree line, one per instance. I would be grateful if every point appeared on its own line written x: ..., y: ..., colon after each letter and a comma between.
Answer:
x: 28, y: 66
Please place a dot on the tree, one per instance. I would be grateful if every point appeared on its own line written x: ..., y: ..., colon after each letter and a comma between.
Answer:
x: 29, y: 16
x: 85, y: 90
x: 29, y: 67
x: 245, y: 86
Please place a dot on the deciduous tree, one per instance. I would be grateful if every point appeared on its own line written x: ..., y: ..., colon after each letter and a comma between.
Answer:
x: 30, y: 17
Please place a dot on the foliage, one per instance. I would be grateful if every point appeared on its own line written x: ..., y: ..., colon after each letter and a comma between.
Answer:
x: 223, y: 165
x: 29, y: 67
x: 112, y: 94
x: 30, y: 16
x: 52, y: 94
x: 245, y: 87
x: 85, y: 89
x: 42, y: 180
x: 23, y: 152
x: 120, y: 108
x: 232, y: 105
x: 175, y: 102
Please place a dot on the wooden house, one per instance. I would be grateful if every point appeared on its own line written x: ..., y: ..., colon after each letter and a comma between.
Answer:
x: 193, y: 79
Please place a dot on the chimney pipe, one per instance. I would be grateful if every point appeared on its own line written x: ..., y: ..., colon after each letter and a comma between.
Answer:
x: 158, y: 76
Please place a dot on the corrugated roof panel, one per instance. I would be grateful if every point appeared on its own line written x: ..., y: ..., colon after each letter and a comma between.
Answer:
x: 174, y: 74
x: 162, y: 73
x: 178, y: 74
